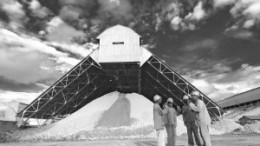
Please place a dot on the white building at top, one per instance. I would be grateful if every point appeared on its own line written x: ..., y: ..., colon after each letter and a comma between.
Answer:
x: 120, y: 44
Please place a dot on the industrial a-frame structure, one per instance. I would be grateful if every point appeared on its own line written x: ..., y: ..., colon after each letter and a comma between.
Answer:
x: 121, y: 64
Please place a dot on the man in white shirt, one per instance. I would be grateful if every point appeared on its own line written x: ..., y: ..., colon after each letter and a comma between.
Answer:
x: 202, y: 117
x: 158, y: 118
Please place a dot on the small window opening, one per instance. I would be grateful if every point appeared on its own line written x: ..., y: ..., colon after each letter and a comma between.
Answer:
x: 118, y: 43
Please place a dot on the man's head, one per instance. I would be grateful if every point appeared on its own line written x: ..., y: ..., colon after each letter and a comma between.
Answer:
x: 186, y: 98
x: 157, y: 99
x: 195, y: 95
x: 170, y: 102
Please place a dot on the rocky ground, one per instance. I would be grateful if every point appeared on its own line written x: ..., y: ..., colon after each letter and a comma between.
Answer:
x: 223, y: 140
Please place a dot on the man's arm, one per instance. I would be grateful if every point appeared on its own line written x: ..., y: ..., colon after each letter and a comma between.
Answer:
x: 159, y: 110
x: 165, y: 110
x: 184, y: 109
x: 195, y: 108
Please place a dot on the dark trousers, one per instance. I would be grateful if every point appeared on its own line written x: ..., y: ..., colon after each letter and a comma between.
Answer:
x: 193, y: 129
x: 171, y: 135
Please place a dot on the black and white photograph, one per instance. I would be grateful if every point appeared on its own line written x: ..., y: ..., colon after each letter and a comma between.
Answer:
x: 129, y: 72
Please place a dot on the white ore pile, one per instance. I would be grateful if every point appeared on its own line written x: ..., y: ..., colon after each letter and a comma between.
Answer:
x: 133, y: 120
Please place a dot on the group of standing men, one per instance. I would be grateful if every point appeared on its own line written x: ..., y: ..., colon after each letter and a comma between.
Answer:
x: 195, y: 116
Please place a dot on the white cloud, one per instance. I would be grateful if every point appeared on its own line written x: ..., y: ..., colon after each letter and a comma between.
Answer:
x: 176, y: 22
x: 117, y: 2
x: 221, y: 85
x: 204, y: 86
x: 253, y: 9
x: 61, y: 32
x: 7, y: 96
x: 25, y: 43
x: 249, y: 23
x: 35, y: 5
x: 246, y: 12
x: 22, y: 67
x: 37, y: 9
x: 25, y: 59
x: 83, y: 51
x: 69, y: 61
x: 15, y: 13
x: 235, y: 32
x: 65, y: 64
x: 202, y: 44
x: 198, y: 12
x: 250, y: 9
x: 55, y: 22
x: 221, y: 3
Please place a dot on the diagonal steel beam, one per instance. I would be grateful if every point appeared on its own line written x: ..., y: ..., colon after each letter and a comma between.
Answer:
x: 66, y: 76
x: 155, y: 60
x: 56, y: 83
x: 69, y: 101
x: 76, y: 86
x: 104, y: 86
x: 163, y: 86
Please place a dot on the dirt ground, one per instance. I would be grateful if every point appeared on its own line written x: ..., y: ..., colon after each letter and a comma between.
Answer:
x: 225, y: 140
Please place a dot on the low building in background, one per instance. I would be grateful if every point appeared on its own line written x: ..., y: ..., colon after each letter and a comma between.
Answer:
x: 8, y: 111
x: 243, y: 104
x: 247, y: 98
x: 249, y: 120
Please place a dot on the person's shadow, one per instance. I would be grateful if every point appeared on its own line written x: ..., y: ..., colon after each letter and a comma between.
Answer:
x: 146, y: 143
x: 149, y: 143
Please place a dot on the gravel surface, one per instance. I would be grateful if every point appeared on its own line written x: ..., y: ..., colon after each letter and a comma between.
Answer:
x: 225, y: 140
x: 252, y: 128
x: 224, y: 126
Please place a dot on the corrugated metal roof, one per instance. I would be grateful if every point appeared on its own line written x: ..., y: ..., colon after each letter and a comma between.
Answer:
x: 248, y: 96
x: 119, y: 30
x: 252, y: 117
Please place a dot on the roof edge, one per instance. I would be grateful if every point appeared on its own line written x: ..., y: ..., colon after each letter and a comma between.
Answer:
x: 115, y: 26
x: 233, y: 96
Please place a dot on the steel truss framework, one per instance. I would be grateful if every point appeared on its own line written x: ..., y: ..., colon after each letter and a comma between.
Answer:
x: 88, y: 81
x: 161, y: 79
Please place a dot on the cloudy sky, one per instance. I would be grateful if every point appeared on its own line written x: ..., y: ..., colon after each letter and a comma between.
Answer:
x: 214, y: 44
